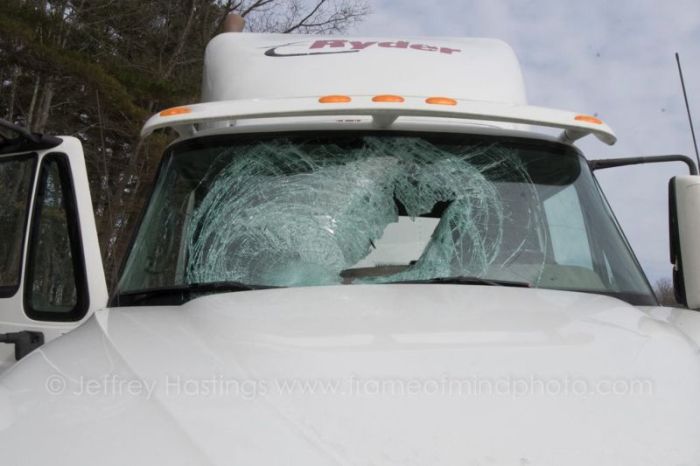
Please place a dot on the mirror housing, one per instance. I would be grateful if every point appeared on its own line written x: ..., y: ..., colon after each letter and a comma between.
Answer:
x: 684, y: 220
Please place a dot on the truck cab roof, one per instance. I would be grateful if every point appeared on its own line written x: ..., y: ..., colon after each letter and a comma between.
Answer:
x: 386, y: 83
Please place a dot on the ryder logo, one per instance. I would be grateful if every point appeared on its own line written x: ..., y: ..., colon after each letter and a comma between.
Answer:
x: 334, y: 46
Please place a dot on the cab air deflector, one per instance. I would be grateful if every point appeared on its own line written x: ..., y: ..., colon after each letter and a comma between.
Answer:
x: 384, y: 114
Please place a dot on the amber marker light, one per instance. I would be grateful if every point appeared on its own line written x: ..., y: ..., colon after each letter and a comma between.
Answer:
x: 388, y: 98
x: 334, y: 99
x: 440, y: 101
x: 588, y: 119
x: 175, y: 111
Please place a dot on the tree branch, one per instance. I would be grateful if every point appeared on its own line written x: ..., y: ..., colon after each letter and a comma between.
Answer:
x: 305, y: 18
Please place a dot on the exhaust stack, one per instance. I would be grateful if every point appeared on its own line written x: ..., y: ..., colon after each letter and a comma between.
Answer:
x: 233, y: 23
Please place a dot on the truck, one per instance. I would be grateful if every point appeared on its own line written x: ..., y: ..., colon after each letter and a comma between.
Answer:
x: 357, y: 251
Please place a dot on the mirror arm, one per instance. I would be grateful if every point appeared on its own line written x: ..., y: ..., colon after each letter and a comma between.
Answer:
x: 25, y: 342
x: 599, y: 164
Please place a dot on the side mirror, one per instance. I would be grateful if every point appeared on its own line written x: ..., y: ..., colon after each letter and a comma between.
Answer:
x: 684, y: 219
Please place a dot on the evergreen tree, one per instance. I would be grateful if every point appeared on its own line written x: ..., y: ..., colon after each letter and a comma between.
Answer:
x: 96, y: 69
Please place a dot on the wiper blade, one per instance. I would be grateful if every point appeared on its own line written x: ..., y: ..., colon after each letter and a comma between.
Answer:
x: 225, y: 286
x: 180, y: 294
x: 465, y: 280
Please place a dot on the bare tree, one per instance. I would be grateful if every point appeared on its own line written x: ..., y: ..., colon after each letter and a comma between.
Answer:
x: 318, y: 17
x: 665, y: 292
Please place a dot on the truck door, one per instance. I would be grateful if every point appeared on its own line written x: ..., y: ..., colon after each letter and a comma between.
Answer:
x: 51, y: 275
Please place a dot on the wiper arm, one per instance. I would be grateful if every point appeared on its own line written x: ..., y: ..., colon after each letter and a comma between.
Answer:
x: 465, y: 280
x: 180, y: 294
x: 225, y: 286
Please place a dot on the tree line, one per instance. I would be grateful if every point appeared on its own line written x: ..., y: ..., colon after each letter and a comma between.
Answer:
x: 96, y: 69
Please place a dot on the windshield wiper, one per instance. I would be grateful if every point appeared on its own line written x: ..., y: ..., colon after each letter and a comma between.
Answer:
x: 174, y: 295
x: 465, y: 280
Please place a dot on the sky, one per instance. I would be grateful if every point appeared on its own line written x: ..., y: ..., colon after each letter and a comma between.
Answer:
x: 610, y: 58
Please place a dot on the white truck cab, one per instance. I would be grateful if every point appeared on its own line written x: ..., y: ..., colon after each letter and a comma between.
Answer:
x: 358, y: 251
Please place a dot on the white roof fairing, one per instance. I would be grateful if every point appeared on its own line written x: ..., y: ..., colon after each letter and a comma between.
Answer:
x: 273, y: 66
x: 384, y: 113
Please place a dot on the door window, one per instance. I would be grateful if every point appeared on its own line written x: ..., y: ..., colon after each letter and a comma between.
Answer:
x: 16, y: 178
x: 55, y: 269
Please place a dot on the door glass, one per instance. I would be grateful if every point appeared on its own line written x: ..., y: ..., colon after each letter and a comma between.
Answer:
x: 16, y: 176
x: 52, y: 293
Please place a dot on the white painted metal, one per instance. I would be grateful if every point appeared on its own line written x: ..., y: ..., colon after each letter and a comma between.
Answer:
x: 365, y: 123
x: 686, y: 321
x: 198, y: 384
x: 687, y: 191
x: 363, y: 105
x: 12, y: 315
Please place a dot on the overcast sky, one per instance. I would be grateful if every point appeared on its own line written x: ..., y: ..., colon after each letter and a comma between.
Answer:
x: 611, y: 58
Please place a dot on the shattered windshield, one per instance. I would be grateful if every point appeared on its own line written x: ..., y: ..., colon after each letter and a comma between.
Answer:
x: 348, y: 208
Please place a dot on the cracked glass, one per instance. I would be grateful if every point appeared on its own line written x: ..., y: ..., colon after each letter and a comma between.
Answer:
x: 347, y: 208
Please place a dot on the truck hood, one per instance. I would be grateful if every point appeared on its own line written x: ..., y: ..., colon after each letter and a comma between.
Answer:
x: 392, y: 375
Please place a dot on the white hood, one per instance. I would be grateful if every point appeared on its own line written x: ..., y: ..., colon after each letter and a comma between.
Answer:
x: 390, y: 375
